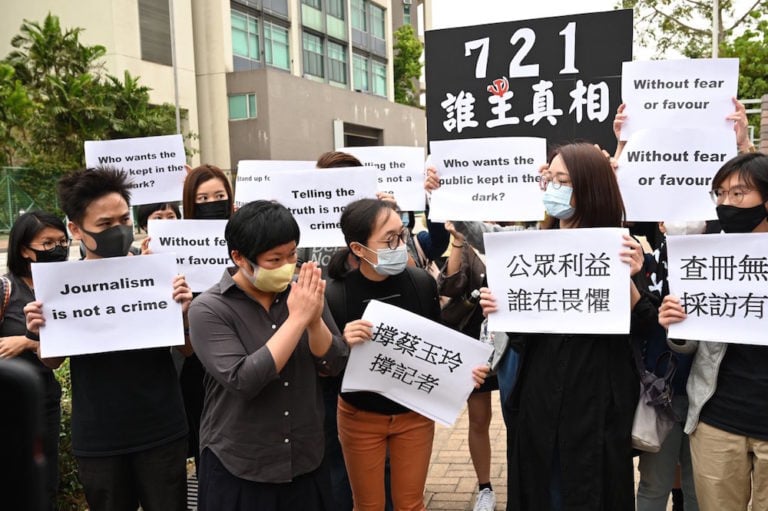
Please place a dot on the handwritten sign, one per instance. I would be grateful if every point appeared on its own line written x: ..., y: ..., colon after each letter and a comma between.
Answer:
x: 198, y: 245
x: 666, y: 175
x: 400, y: 172
x: 418, y: 363
x: 488, y: 179
x: 115, y: 304
x: 561, y: 281
x: 694, y: 93
x: 253, y: 181
x: 317, y: 197
x: 154, y: 165
x: 556, y: 78
x: 720, y: 280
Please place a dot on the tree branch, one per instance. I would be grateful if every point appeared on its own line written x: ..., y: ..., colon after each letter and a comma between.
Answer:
x: 737, y: 22
x: 678, y: 22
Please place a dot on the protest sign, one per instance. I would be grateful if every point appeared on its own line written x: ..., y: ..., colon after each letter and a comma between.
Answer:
x: 488, y: 179
x: 666, y: 174
x: 154, y: 165
x: 418, y: 363
x: 694, y: 93
x: 199, y: 247
x: 102, y: 305
x: 556, y: 78
x: 400, y: 172
x: 253, y: 181
x: 568, y: 281
x: 720, y: 280
x: 317, y: 197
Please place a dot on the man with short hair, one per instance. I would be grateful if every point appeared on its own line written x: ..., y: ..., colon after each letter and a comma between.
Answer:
x: 128, y: 424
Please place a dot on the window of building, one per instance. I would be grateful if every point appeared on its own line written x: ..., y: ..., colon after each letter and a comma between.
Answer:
x: 379, y: 78
x: 377, y: 22
x: 360, y: 73
x: 336, y: 8
x: 359, y: 21
x: 245, y: 36
x: 242, y: 106
x: 155, y: 31
x: 407, y: 14
x: 276, y: 46
x: 313, y: 55
x: 337, y: 62
x: 312, y: 3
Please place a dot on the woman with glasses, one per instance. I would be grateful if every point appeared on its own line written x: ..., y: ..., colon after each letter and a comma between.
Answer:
x: 727, y: 388
x: 370, y: 424
x: 36, y: 237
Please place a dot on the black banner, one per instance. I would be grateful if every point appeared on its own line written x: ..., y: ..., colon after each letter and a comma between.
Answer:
x: 558, y: 78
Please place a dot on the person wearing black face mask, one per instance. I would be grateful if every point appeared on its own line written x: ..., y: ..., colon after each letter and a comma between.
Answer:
x: 128, y: 426
x: 727, y: 387
x: 207, y: 195
x: 36, y: 237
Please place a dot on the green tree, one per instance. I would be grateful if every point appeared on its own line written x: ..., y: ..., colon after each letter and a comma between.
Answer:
x: 686, y: 25
x: 15, y: 110
x: 751, y: 48
x: 407, y: 65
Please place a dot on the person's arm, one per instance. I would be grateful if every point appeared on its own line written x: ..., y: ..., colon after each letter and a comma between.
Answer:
x: 14, y: 345
x: 332, y: 360
x: 454, y: 277
x: 741, y: 127
x: 33, y: 314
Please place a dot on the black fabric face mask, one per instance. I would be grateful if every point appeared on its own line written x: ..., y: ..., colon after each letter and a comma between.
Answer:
x: 740, y: 220
x: 214, y: 210
x: 112, y: 242
x: 55, y: 255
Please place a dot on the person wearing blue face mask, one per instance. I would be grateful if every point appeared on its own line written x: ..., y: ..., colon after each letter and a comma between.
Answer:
x: 369, y: 423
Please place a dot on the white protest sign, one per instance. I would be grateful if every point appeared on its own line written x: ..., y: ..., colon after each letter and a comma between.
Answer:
x: 401, y: 172
x: 416, y: 362
x: 253, y: 181
x: 488, y: 179
x: 102, y: 305
x: 666, y: 174
x: 199, y: 247
x: 560, y: 281
x: 692, y: 93
x: 317, y: 197
x: 720, y: 280
x: 154, y: 165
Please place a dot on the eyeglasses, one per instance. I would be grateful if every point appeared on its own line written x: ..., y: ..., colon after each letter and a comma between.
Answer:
x: 394, y: 241
x: 49, y: 246
x: 735, y: 195
x: 557, y: 184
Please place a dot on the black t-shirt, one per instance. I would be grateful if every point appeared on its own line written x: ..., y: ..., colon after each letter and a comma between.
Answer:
x: 398, y: 290
x: 738, y: 405
x: 125, y: 401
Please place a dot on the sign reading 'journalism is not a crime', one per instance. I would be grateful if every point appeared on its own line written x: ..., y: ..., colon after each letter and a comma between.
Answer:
x: 557, y: 78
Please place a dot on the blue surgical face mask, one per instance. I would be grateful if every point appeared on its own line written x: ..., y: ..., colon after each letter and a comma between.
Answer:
x: 391, y: 261
x: 557, y: 201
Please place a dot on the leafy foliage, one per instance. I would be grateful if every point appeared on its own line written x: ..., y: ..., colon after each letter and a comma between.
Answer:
x: 71, y: 496
x: 407, y: 65
x: 751, y: 48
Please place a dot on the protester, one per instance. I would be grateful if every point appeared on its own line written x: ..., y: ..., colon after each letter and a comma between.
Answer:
x: 265, y: 342
x: 128, y: 427
x: 369, y: 423
x: 36, y: 237
x: 207, y: 195
x: 576, y: 394
x: 727, y: 388
x: 461, y: 279
x: 157, y: 211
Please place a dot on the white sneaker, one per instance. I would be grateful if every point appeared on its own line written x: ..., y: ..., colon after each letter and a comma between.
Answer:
x: 486, y: 500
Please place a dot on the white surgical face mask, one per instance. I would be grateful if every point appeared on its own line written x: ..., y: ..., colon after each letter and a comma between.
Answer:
x: 678, y: 228
x: 557, y: 201
x: 391, y: 261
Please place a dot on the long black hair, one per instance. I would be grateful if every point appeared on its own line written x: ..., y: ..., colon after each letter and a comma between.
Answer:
x: 24, y: 230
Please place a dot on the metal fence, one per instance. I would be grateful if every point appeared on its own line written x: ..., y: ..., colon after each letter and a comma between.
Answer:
x: 16, y: 197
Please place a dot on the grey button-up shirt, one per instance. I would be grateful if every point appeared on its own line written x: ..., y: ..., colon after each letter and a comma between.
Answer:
x: 263, y: 425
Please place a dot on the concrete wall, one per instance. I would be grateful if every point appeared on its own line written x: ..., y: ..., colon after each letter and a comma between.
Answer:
x: 295, y: 117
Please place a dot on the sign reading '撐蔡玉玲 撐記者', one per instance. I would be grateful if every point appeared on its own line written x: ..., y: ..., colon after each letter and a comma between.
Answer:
x: 556, y: 78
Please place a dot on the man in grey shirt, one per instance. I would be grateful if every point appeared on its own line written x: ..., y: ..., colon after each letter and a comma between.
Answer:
x: 265, y: 342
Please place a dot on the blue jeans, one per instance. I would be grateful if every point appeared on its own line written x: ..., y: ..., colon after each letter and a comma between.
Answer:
x: 657, y: 469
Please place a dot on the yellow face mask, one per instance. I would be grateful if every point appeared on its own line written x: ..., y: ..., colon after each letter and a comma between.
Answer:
x: 276, y: 280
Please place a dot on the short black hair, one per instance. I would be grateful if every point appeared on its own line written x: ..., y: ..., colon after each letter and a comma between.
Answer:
x: 752, y: 168
x: 24, y: 230
x: 145, y: 210
x: 76, y: 191
x: 260, y: 226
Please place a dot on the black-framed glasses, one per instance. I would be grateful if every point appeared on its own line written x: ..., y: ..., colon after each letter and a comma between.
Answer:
x: 394, y: 241
x: 735, y: 195
x: 49, y: 246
